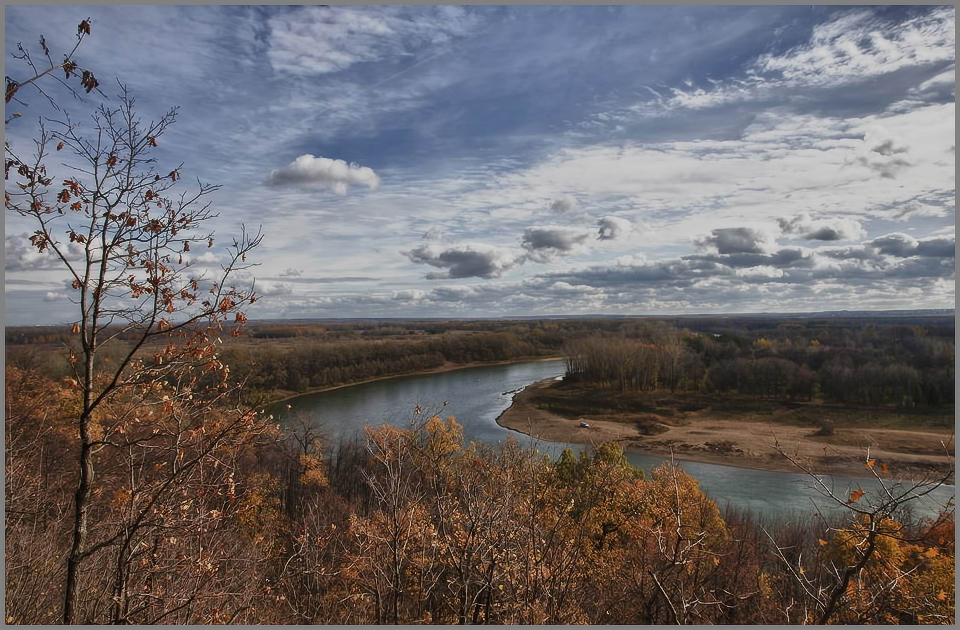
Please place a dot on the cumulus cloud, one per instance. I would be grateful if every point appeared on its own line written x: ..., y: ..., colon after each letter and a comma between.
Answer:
x: 270, y: 288
x: 466, y: 260
x: 805, y: 227
x: 292, y: 273
x: 54, y: 296
x: 308, y: 171
x: 566, y: 203
x: 207, y: 260
x: 20, y: 255
x: 612, y: 228
x: 736, y: 241
x: 546, y: 242
x: 903, y: 246
x: 883, y: 153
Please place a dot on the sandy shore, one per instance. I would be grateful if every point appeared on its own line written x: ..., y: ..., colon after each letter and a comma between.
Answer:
x: 448, y: 367
x: 746, y: 444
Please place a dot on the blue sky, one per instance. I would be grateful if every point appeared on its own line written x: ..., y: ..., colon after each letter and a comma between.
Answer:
x: 487, y: 161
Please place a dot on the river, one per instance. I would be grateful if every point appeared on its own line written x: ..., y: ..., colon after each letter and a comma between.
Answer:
x: 476, y: 396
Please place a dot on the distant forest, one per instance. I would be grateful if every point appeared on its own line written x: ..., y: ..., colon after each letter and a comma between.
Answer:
x: 901, y: 362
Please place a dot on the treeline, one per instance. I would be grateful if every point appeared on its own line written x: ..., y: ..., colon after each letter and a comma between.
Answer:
x: 855, y: 361
x: 210, y: 515
x: 903, y: 366
x: 313, y: 363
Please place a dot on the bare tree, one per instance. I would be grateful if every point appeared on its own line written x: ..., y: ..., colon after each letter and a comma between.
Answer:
x: 861, y: 546
x: 128, y: 237
x: 39, y: 70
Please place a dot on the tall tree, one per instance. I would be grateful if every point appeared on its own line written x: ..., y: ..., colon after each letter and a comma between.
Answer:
x: 122, y: 229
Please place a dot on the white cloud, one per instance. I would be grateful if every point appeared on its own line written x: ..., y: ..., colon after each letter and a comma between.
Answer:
x: 269, y: 288
x: 858, y: 45
x: 611, y: 228
x: 543, y: 243
x: 566, y: 203
x: 904, y: 246
x: 308, y: 171
x: 805, y: 227
x: 945, y: 78
x: 913, y: 209
x: 321, y: 40
x: 466, y: 260
x: 851, y: 48
x: 739, y: 240
x: 20, y: 255
x: 760, y: 271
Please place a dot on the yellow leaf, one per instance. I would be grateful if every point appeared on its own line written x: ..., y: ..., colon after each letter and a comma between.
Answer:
x: 941, y: 595
x: 822, y: 542
x: 716, y: 561
x: 931, y: 552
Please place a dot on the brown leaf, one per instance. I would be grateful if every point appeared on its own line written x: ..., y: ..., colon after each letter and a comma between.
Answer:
x: 59, y: 146
x: 884, y: 468
x: 855, y: 495
x: 75, y: 328
x: 83, y: 28
x: 932, y: 552
x: 822, y: 542
x: 871, y: 463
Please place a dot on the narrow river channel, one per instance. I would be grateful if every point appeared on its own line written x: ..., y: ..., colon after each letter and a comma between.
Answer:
x: 476, y: 396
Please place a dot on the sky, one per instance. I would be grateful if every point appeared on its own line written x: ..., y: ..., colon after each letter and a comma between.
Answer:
x: 453, y: 161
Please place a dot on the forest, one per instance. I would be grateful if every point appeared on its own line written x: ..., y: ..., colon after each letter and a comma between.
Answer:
x: 216, y: 516
x: 895, y: 365
x: 865, y: 361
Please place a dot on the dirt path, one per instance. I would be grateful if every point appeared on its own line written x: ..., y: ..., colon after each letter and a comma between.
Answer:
x: 747, y: 444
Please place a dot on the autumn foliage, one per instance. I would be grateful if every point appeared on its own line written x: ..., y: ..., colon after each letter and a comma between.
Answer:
x: 227, y: 517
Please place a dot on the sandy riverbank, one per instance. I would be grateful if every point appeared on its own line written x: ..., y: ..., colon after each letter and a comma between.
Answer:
x: 448, y: 367
x: 746, y: 444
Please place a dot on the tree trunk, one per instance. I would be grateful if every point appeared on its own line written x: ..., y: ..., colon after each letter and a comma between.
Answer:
x: 81, y: 499
x: 81, y: 505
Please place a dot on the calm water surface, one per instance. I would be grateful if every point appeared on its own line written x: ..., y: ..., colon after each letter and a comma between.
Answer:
x: 476, y: 396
